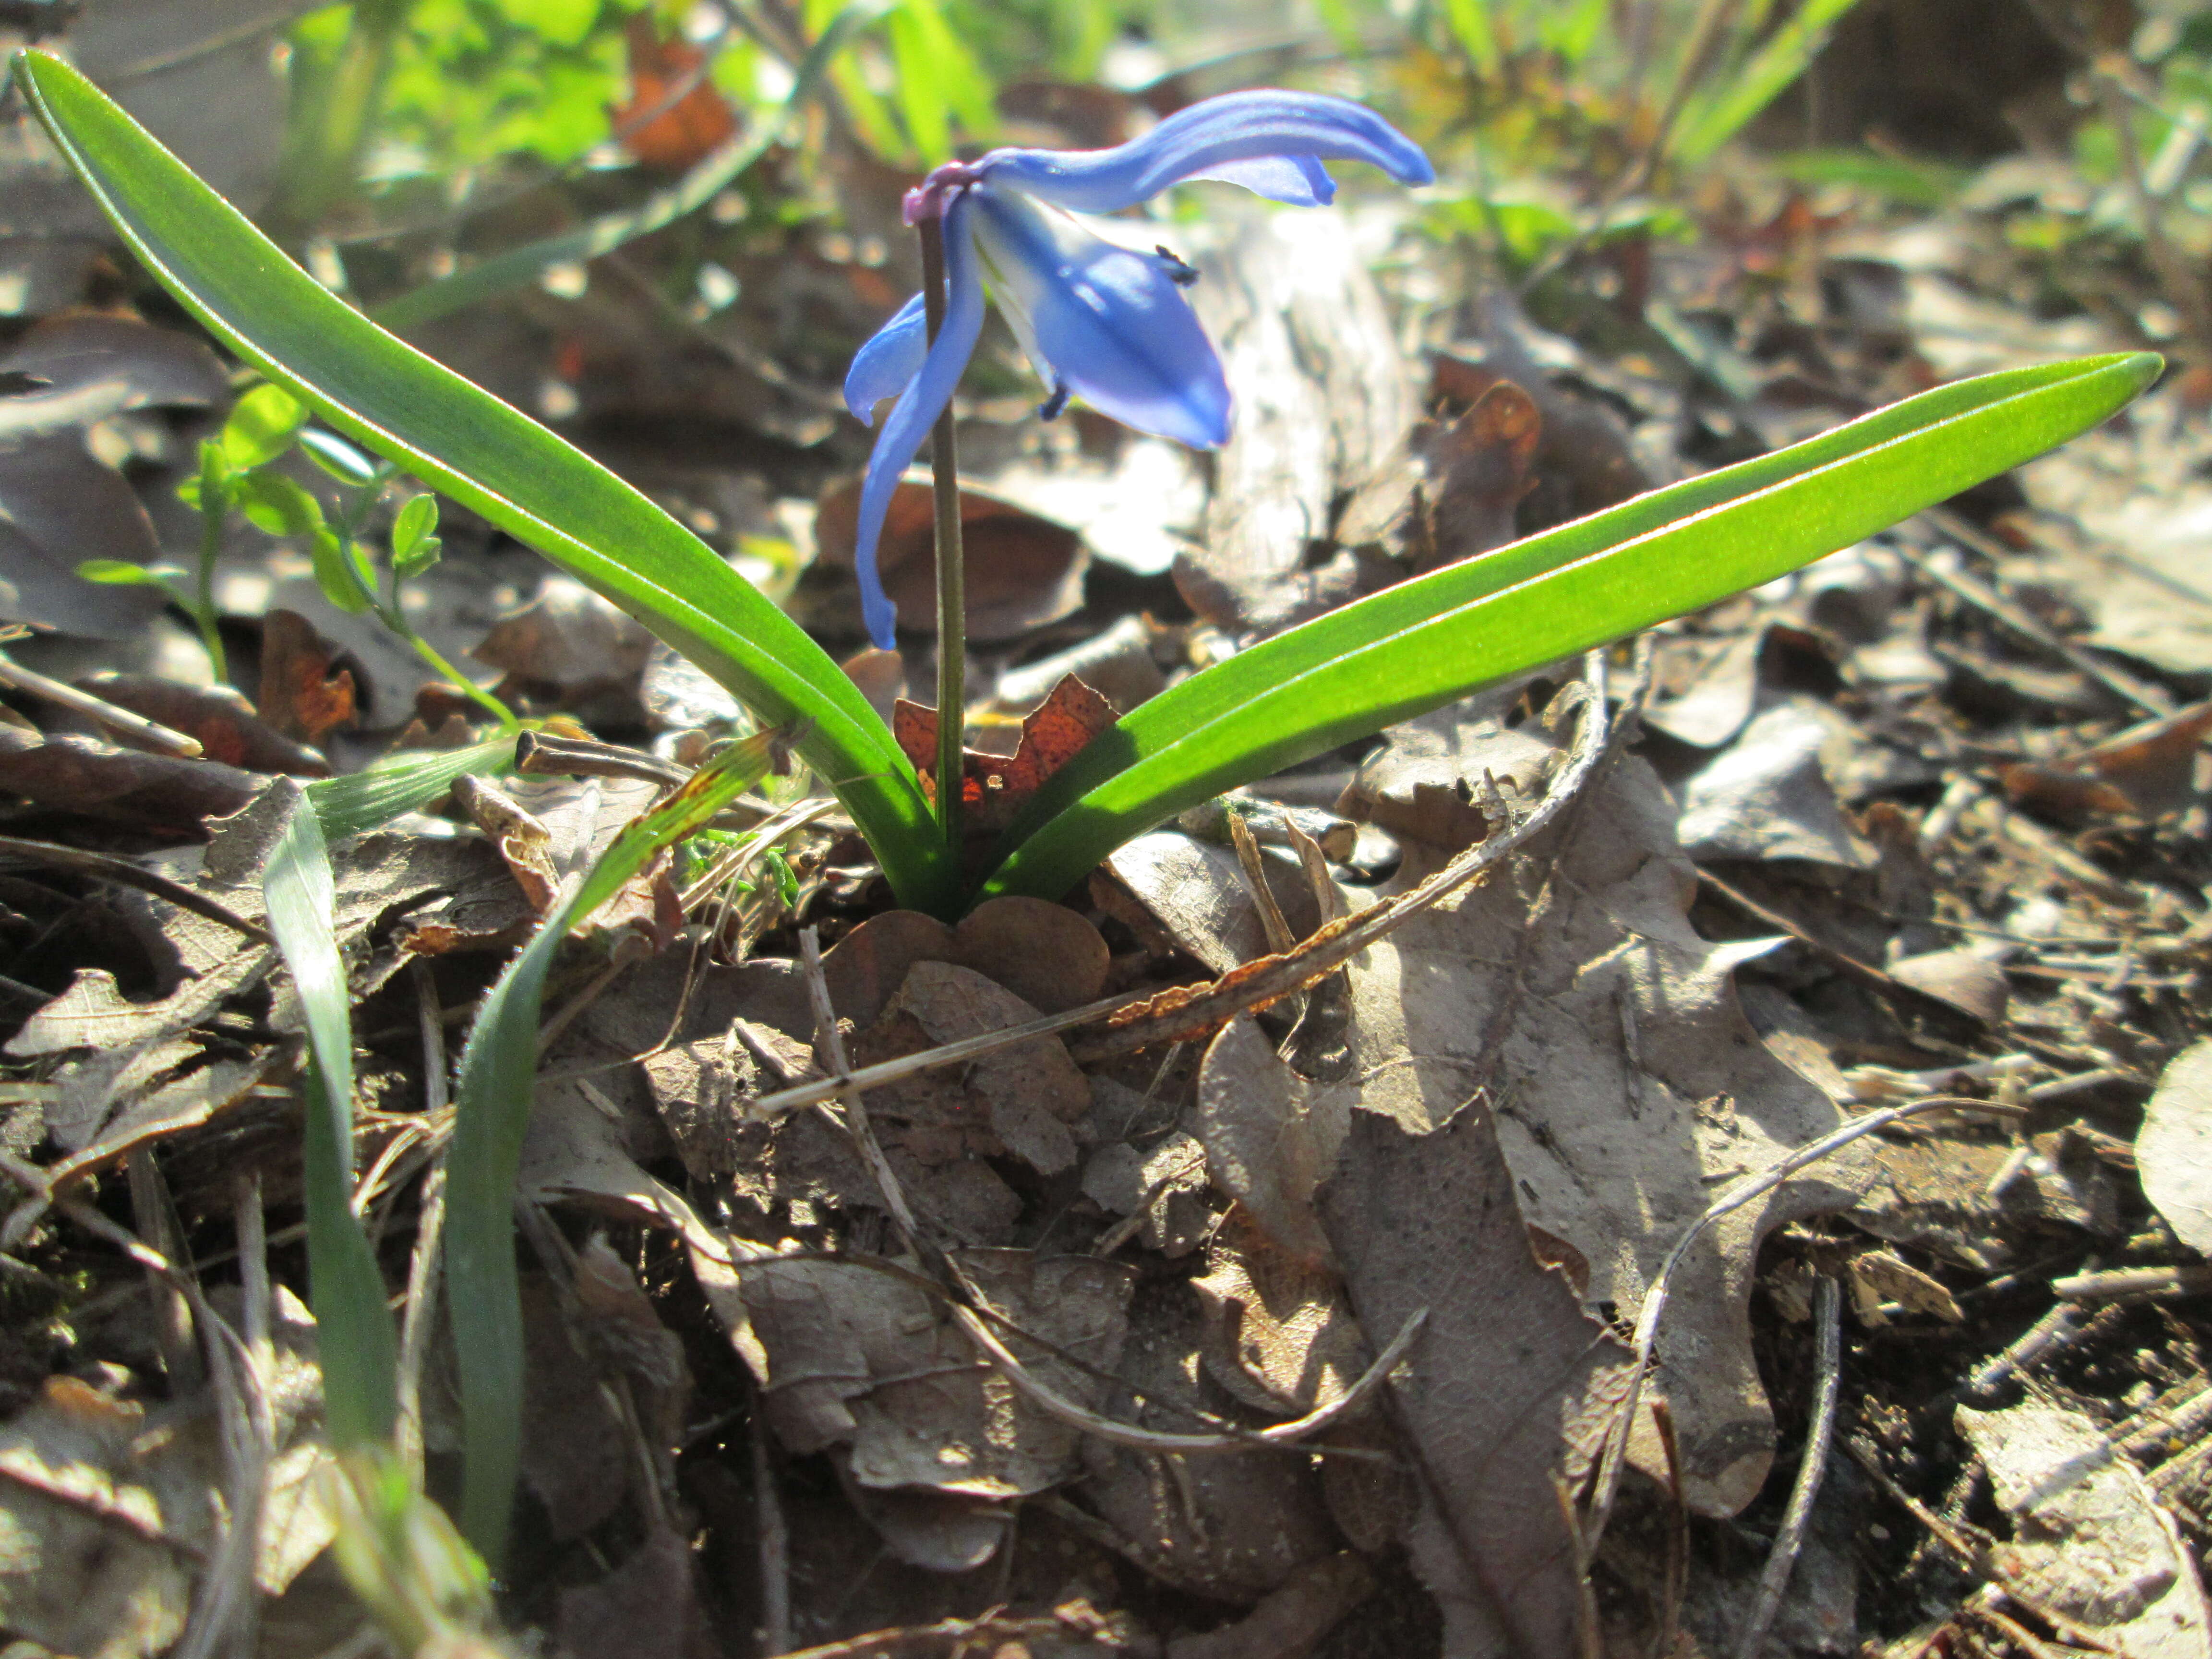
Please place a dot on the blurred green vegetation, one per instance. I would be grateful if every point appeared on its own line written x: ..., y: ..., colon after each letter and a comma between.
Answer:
x: 1561, y: 128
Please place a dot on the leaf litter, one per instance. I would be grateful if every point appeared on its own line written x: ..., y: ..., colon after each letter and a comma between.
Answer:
x: 1921, y: 826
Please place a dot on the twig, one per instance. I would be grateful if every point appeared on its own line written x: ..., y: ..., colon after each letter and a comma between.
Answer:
x: 152, y: 733
x: 951, y: 1053
x: 951, y: 570
x: 1186, y: 1012
x: 106, y: 866
x: 542, y: 754
x: 775, y: 1543
x: 2133, y: 1281
x: 2151, y: 699
x: 1655, y: 1299
x: 2054, y: 1329
x: 1827, y: 1314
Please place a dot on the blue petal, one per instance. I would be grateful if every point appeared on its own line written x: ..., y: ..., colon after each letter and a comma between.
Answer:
x: 1237, y: 126
x: 916, y: 411
x: 1297, y: 180
x: 891, y: 358
x: 1111, y: 325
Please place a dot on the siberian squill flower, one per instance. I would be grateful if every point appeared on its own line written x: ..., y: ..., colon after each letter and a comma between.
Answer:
x: 1098, y: 321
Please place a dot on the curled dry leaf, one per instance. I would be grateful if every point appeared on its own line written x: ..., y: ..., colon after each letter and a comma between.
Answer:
x: 304, y: 696
x: 994, y: 787
x: 2090, y: 1538
x: 69, y: 774
x: 1766, y: 797
x: 2144, y: 772
x: 850, y: 1356
x: 2174, y: 1148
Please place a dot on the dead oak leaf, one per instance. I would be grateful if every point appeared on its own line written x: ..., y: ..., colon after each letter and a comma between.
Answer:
x: 1570, y: 992
x: 994, y: 787
x: 1506, y: 1399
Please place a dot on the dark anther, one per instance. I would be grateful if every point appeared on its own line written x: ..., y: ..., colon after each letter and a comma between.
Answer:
x: 1180, y: 272
x: 1050, y: 408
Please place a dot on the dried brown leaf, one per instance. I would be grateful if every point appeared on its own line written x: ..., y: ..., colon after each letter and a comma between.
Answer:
x: 1505, y: 1405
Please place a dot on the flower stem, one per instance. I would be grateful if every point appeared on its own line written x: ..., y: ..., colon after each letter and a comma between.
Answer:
x: 951, y: 576
x: 212, y: 515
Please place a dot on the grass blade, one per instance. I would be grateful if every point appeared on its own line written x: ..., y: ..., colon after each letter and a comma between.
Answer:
x: 492, y: 1109
x: 1714, y: 117
x: 1425, y: 642
x: 711, y: 175
x: 355, y: 1338
x: 460, y: 439
x: 369, y: 799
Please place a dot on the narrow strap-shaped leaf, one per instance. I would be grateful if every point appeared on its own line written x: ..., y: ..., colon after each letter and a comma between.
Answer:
x: 365, y: 800
x: 1422, y: 644
x: 714, y: 173
x: 491, y: 1101
x: 345, y: 1286
x: 458, y: 437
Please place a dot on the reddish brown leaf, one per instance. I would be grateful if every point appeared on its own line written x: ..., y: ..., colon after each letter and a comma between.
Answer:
x: 2144, y: 772
x: 659, y: 126
x: 1022, y: 571
x: 302, y: 695
x: 218, y: 717
x: 996, y: 787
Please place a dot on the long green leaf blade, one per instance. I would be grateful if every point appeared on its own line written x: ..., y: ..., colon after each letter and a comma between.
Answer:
x: 491, y: 1110
x: 369, y: 799
x: 356, y: 1344
x: 1712, y: 119
x: 1422, y: 644
x: 456, y: 437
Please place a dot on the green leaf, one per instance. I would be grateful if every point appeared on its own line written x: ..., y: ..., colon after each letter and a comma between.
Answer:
x: 365, y: 800
x: 413, y: 527
x: 418, y: 559
x: 1470, y: 24
x: 1425, y: 642
x: 261, y: 427
x: 491, y: 1101
x: 714, y: 173
x: 338, y: 458
x: 1714, y: 116
x: 120, y: 573
x: 353, y: 1339
x: 275, y: 503
x: 494, y: 459
x: 339, y: 573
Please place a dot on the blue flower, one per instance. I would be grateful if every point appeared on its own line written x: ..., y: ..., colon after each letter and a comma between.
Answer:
x: 1098, y: 321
